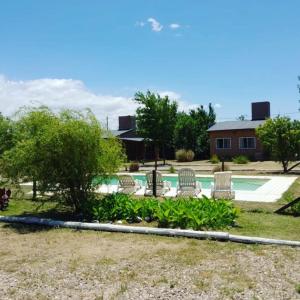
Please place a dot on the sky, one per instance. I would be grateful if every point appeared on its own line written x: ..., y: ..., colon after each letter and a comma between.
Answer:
x: 98, y: 54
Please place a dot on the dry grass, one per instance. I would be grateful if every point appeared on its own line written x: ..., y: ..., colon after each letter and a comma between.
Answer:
x: 41, y: 263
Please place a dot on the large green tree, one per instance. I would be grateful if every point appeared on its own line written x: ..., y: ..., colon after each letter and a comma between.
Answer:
x: 6, y: 134
x: 62, y: 152
x: 156, y: 118
x: 191, y: 130
x: 281, y: 137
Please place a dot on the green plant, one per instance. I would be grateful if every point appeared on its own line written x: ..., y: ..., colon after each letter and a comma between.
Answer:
x: 61, y: 153
x: 214, y: 159
x: 298, y: 288
x: 172, y: 170
x: 240, y: 159
x: 134, y: 166
x: 190, y: 155
x: 192, y: 213
x: 218, y: 168
x: 180, y: 155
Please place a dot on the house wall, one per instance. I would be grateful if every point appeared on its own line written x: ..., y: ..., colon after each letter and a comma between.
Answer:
x: 254, y: 154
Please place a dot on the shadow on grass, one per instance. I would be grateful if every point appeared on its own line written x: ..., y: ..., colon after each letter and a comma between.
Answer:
x: 25, y: 228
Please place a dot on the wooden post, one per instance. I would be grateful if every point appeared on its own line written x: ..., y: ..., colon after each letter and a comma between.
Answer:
x: 223, y: 164
x: 154, y: 182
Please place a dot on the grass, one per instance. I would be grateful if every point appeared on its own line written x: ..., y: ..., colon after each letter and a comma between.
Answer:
x: 255, y: 218
x: 89, y: 264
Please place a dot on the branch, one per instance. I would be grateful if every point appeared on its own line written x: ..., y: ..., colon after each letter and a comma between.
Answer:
x: 292, y: 167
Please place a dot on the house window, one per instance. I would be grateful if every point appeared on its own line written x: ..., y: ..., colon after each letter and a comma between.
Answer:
x: 223, y: 143
x: 247, y: 143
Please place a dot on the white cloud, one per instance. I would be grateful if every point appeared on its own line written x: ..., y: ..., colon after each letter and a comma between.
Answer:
x: 217, y: 105
x: 174, y: 26
x: 73, y: 94
x: 62, y: 93
x: 155, y: 25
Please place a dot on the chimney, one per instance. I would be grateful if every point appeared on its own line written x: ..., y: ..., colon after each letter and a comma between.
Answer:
x: 126, y: 122
x: 260, y: 110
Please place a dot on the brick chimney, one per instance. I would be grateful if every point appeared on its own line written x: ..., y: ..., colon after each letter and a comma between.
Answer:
x: 260, y: 110
x: 126, y: 122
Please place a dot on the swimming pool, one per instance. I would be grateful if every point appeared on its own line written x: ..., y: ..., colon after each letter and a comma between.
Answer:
x: 239, y: 184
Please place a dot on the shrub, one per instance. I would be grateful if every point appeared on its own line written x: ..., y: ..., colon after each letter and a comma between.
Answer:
x: 240, y: 159
x: 192, y: 213
x: 183, y: 155
x: 134, y: 166
x: 218, y: 168
x: 214, y: 159
x: 180, y: 155
x: 172, y: 170
x: 190, y: 155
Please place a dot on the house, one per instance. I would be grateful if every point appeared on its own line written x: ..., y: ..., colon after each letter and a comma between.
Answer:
x: 134, y: 145
x: 232, y: 138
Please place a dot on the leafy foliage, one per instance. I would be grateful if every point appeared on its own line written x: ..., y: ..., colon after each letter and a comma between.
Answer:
x: 6, y: 134
x: 281, y: 137
x: 183, y: 155
x: 191, y: 130
x: 134, y: 166
x: 214, y: 159
x: 241, y: 159
x: 183, y: 212
x: 156, y: 118
x: 62, y: 152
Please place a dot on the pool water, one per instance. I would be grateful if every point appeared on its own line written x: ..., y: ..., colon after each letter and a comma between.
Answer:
x: 239, y: 184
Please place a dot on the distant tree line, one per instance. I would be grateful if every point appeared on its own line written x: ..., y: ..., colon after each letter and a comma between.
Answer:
x: 163, y: 126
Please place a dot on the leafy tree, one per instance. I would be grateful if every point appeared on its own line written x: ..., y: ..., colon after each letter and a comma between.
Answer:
x: 156, y: 118
x: 184, y: 133
x: 63, y: 153
x: 6, y: 134
x: 191, y: 130
x: 241, y: 118
x: 281, y: 137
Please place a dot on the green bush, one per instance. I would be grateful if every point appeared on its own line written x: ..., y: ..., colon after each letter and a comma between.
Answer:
x: 218, y: 168
x: 183, y: 155
x: 192, y: 213
x: 180, y: 155
x: 214, y: 159
x: 190, y: 155
x: 240, y: 159
x: 172, y: 170
x: 134, y: 166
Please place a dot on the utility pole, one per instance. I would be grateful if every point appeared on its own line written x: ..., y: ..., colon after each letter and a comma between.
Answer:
x: 107, y: 123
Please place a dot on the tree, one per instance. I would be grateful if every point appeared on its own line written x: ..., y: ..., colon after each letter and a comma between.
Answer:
x: 63, y: 152
x: 241, y: 118
x: 6, y: 134
x: 191, y: 130
x: 281, y: 137
x: 156, y: 118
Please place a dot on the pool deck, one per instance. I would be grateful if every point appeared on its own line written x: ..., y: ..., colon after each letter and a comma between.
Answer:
x: 271, y: 191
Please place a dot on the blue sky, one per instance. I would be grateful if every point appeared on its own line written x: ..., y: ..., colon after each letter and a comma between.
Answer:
x: 225, y: 52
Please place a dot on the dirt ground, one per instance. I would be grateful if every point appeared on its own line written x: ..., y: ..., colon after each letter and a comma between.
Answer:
x: 39, y: 263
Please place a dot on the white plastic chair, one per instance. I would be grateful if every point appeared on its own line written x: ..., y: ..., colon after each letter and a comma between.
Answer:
x: 162, y: 186
x: 187, y: 183
x: 128, y: 185
x: 222, y: 187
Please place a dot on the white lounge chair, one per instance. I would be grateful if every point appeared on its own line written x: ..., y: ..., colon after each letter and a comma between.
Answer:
x: 128, y: 185
x: 222, y: 188
x: 187, y: 183
x: 162, y: 186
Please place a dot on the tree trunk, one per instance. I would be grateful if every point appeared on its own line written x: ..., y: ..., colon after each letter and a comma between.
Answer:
x: 34, y: 190
x: 164, y: 155
x: 156, y: 153
x: 285, y: 166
